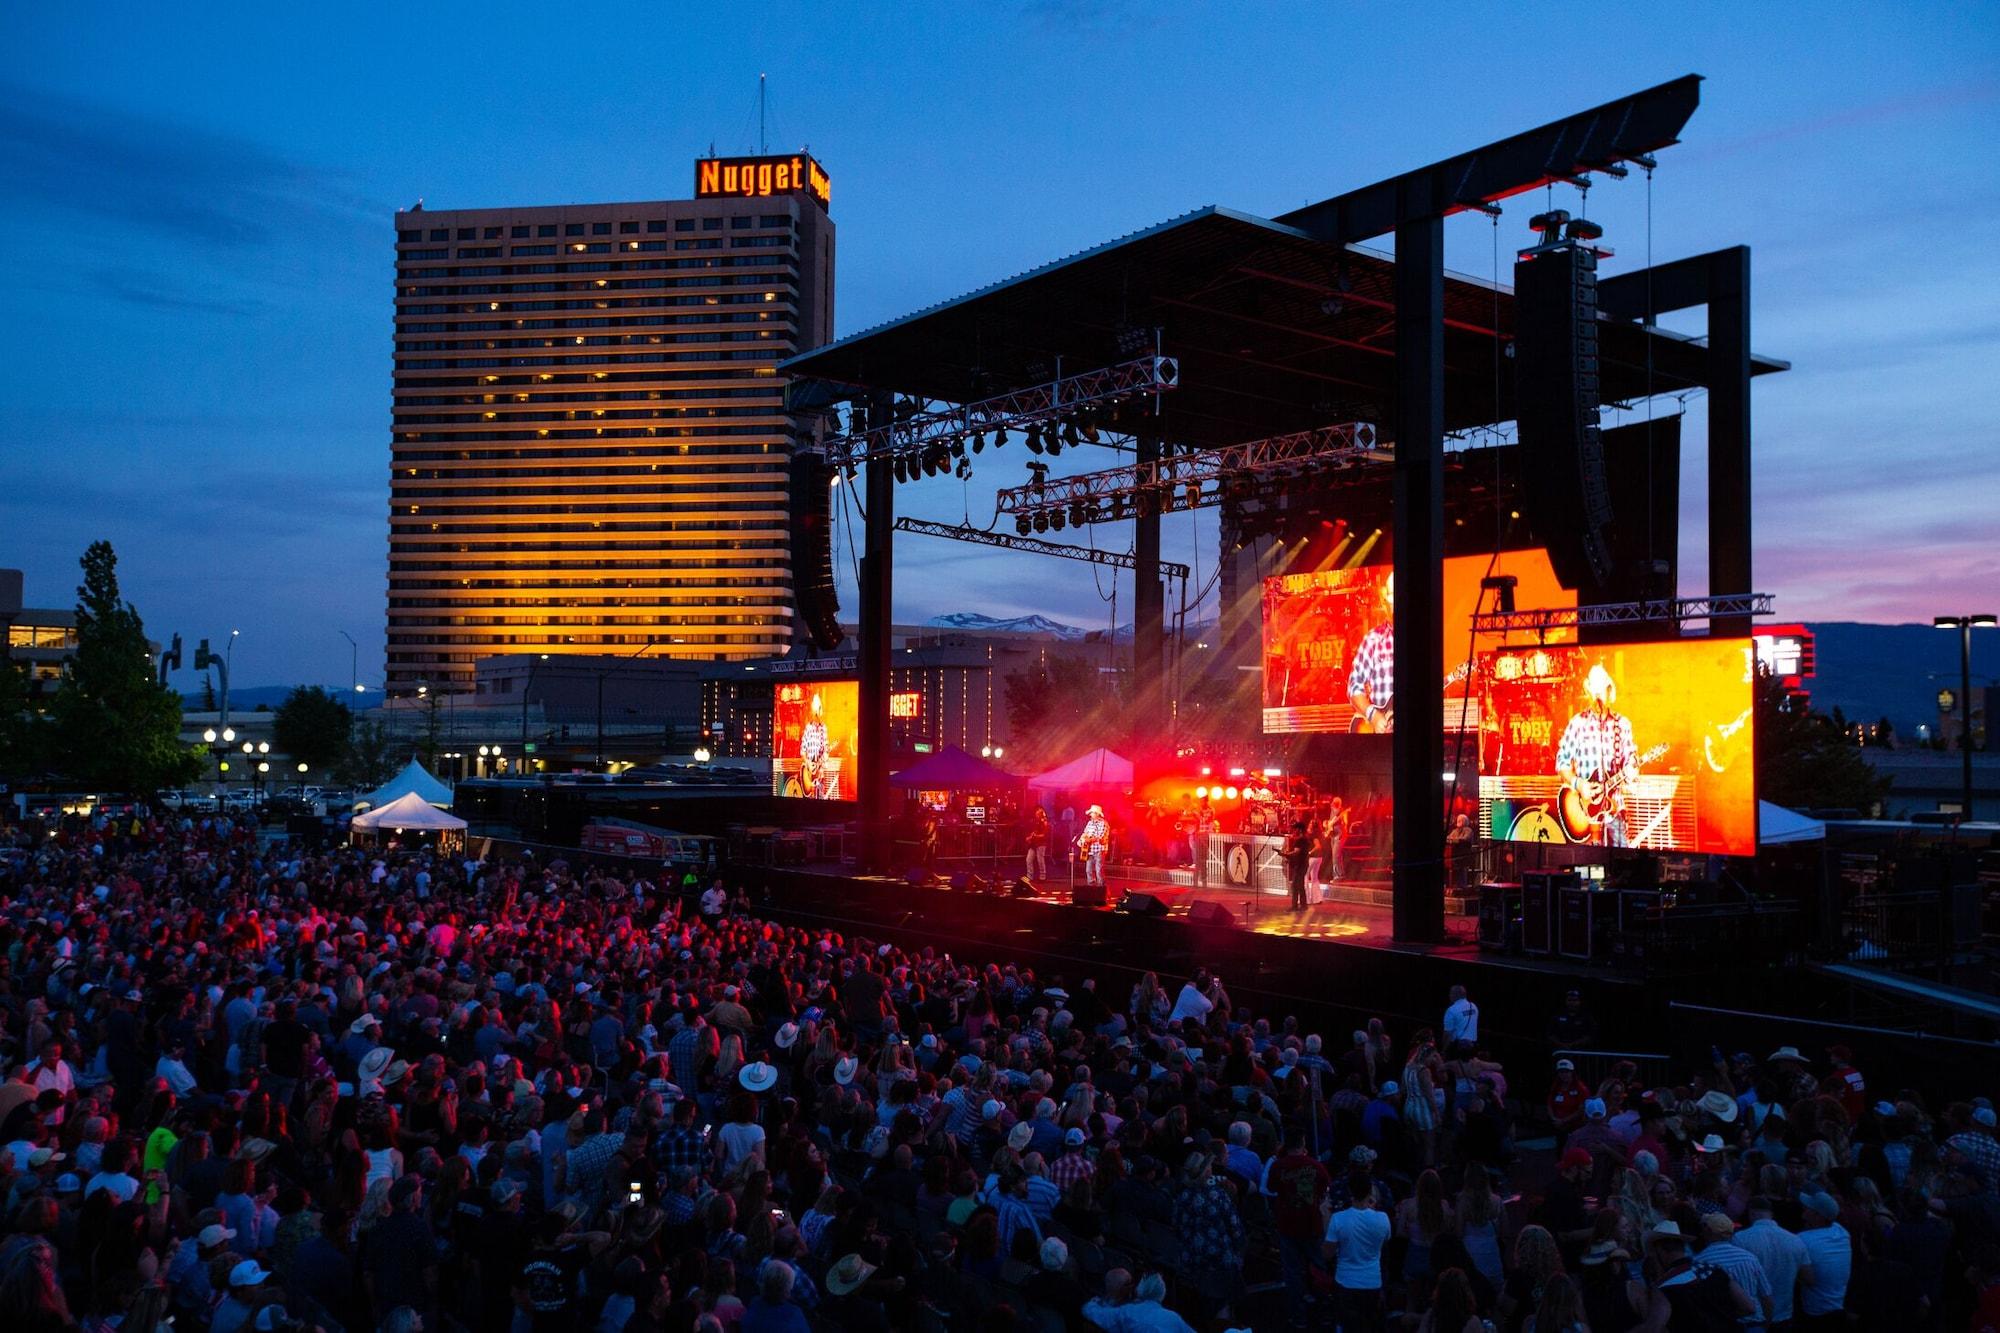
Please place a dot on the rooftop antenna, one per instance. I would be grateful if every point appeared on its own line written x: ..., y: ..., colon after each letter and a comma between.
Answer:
x: 763, y: 139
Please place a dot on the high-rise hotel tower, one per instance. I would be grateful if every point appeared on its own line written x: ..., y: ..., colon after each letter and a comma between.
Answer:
x: 590, y: 445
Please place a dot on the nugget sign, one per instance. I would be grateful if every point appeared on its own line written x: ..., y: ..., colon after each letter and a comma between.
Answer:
x: 760, y: 178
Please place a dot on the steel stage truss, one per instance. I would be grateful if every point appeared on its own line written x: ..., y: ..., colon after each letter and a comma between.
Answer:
x: 1663, y: 610
x: 1060, y: 400
x: 1189, y: 481
x: 1008, y: 541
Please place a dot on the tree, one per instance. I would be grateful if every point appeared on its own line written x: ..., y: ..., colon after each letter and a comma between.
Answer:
x: 115, y: 726
x: 208, y: 704
x: 370, y: 758
x: 20, y: 727
x: 1804, y: 761
x: 312, y: 725
x: 1060, y: 707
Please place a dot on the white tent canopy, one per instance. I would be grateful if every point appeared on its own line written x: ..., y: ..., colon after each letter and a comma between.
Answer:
x: 1100, y: 770
x: 414, y: 778
x: 1777, y: 825
x: 409, y: 812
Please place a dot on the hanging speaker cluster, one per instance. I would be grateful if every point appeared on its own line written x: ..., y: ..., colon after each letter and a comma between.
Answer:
x: 812, y: 549
x: 1556, y: 399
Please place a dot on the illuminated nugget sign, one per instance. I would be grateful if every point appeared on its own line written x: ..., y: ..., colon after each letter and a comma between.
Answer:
x: 760, y: 178
x: 906, y: 704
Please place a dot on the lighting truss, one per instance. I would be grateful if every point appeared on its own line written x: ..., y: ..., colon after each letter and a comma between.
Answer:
x: 1673, y: 610
x: 1040, y: 405
x: 1008, y: 541
x: 1191, y: 481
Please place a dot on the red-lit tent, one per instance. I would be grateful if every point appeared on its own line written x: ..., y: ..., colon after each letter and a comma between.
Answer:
x: 1098, y: 771
x: 952, y: 769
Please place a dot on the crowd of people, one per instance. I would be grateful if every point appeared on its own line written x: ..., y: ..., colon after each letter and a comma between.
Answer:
x: 252, y: 1088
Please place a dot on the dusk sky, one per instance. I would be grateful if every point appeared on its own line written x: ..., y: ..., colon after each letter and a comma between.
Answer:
x: 196, y: 297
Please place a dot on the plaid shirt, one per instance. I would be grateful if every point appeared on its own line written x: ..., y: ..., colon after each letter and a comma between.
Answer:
x: 1983, y: 1152
x: 1374, y: 669
x: 1071, y: 1167
x: 683, y: 1150
x: 1596, y: 746
x: 684, y: 1056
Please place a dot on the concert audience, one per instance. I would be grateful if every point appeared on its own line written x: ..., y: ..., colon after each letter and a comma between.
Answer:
x: 257, y: 1089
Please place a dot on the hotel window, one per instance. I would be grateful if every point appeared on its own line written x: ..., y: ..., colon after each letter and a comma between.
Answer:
x: 774, y: 220
x: 440, y: 234
x: 573, y: 229
x: 468, y: 233
x: 657, y: 224
x: 626, y: 227
x: 491, y: 234
x: 519, y: 231
x: 741, y: 222
x: 546, y: 229
x: 409, y: 236
x: 600, y: 229
x: 683, y: 224
x: 711, y: 224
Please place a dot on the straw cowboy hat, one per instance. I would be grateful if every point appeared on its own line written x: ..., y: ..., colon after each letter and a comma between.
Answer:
x: 757, y: 1076
x: 1095, y: 812
x: 375, y: 1063
x: 1719, y: 1104
x: 788, y: 1033
x: 845, y: 1069
x: 847, y: 1276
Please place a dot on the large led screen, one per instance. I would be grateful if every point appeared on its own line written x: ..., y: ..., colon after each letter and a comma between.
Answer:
x: 1329, y: 650
x: 1630, y: 745
x: 815, y: 733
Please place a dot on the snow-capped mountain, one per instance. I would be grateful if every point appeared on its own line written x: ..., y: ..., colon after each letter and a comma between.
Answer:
x: 1035, y: 624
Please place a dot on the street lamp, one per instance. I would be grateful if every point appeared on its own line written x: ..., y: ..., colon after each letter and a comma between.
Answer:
x: 1965, y: 625
x: 702, y: 754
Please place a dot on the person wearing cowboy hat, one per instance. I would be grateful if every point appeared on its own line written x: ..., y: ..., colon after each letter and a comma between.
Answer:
x: 1699, y: 1295
x: 1596, y: 757
x: 758, y: 1076
x: 1718, y: 1249
x: 1095, y: 843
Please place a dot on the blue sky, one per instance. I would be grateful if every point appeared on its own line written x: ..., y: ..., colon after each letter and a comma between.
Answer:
x: 195, y: 296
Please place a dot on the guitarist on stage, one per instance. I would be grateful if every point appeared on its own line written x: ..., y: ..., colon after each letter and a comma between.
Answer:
x: 1371, y: 682
x: 1596, y: 759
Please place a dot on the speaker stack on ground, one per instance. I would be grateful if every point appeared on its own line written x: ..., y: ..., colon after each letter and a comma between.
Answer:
x: 1556, y: 398
x: 1091, y: 895
x: 812, y: 549
x: 1210, y: 914
x: 1138, y: 904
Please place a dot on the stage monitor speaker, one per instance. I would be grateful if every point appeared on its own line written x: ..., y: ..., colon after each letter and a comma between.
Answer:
x: 1210, y: 914
x: 961, y: 881
x: 1090, y: 895
x: 1139, y: 904
x: 1022, y: 887
x: 1538, y: 913
x: 919, y: 877
x: 1555, y: 405
x: 812, y: 549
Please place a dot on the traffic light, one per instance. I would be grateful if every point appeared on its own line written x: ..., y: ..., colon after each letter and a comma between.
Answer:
x: 171, y: 659
x: 203, y: 657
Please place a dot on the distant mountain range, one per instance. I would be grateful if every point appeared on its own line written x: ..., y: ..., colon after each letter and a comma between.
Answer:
x: 1893, y: 671
x: 1869, y: 671
x: 1012, y: 625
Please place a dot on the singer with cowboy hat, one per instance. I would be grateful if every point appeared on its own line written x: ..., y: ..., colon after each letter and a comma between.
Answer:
x: 1094, y: 842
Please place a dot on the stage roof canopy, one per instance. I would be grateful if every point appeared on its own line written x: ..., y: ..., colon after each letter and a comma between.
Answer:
x: 1100, y: 770
x: 1275, y: 332
x: 953, y: 769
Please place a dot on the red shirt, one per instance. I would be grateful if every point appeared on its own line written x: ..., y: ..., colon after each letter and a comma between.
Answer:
x: 1567, y: 1103
x: 1298, y: 1183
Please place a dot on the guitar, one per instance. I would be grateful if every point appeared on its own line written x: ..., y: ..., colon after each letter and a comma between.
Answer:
x: 1384, y: 722
x: 1584, y: 804
x: 1720, y: 747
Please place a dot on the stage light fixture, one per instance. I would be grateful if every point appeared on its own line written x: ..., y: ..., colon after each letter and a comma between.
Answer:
x: 978, y: 444
x: 901, y: 468
x: 1034, y: 439
x: 999, y: 439
x: 1052, y: 442
x: 1229, y: 792
x: 1056, y: 520
x: 1041, y: 522
x: 1201, y: 793
x: 964, y: 468
x: 958, y: 448
x: 1021, y: 524
x: 1069, y: 434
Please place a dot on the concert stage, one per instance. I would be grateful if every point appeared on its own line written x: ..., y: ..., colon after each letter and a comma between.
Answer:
x: 1335, y: 964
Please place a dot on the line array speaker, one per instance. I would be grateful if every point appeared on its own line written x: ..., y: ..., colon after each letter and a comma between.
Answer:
x: 1555, y: 404
x: 812, y: 549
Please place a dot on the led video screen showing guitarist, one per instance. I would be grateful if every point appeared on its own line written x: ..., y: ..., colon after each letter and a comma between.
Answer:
x: 1635, y: 745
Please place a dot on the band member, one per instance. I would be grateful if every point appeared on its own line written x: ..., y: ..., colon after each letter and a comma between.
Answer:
x: 1296, y: 851
x: 1037, y: 842
x: 812, y: 751
x: 1336, y: 841
x: 1094, y: 841
x: 1371, y: 681
x: 1204, y: 825
x: 1595, y: 759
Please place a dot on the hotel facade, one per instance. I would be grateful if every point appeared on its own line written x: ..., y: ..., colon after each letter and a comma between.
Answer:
x: 590, y: 444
